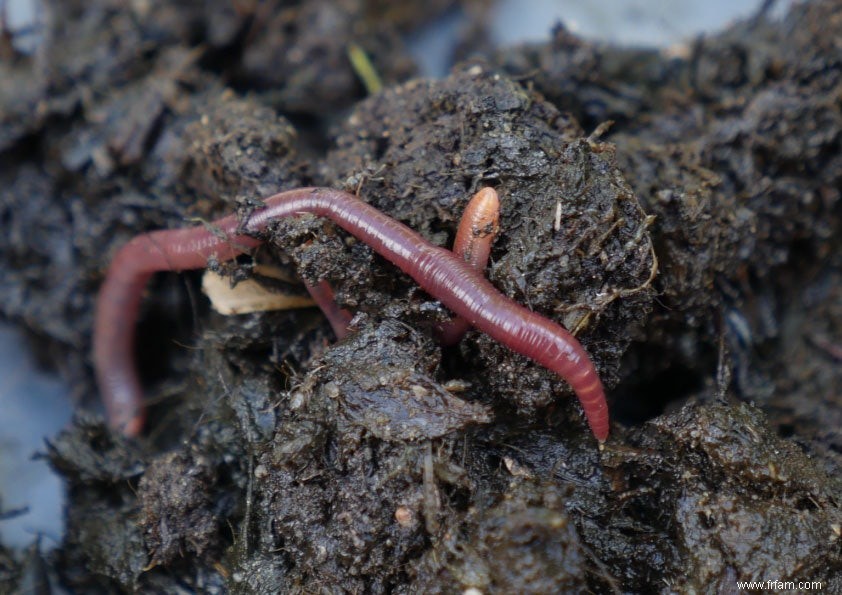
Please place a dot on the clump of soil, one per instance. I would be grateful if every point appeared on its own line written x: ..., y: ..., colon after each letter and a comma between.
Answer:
x: 420, y: 150
x: 693, y: 247
x: 735, y: 150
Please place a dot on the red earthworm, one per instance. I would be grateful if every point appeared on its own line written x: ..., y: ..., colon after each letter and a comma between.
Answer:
x: 438, y: 271
x: 476, y: 232
x: 478, y: 226
x: 339, y: 318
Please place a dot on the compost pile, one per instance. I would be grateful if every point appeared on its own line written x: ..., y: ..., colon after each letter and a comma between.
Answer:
x: 679, y: 211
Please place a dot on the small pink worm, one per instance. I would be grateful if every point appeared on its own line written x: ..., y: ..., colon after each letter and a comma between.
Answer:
x: 477, y: 228
x: 339, y: 318
x: 440, y: 272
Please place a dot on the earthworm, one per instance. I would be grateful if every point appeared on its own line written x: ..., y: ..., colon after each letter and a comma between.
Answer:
x: 440, y: 272
x: 478, y: 226
x: 339, y: 318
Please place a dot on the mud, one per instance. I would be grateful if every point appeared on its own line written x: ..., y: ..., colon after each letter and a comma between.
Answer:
x: 692, y: 246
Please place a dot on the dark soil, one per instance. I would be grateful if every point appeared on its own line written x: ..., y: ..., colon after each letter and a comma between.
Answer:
x: 278, y: 460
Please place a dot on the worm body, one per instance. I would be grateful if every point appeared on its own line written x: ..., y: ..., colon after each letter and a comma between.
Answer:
x: 477, y: 228
x: 339, y: 318
x: 440, y: 272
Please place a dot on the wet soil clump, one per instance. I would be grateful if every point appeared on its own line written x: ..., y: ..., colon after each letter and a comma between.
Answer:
x: 576, y: 239
x: 692, y: 246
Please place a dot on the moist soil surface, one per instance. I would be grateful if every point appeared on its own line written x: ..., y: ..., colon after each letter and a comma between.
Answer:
x: 678, y: 211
